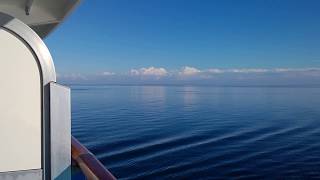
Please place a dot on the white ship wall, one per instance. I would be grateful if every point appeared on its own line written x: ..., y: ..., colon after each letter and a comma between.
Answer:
x: 20, y: 86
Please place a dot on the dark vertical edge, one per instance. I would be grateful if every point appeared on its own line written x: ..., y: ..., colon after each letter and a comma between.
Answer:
x: 46, y: 132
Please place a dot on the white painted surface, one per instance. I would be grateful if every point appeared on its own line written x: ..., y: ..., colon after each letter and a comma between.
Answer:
x: 60, y: 133
x: 20, y: 106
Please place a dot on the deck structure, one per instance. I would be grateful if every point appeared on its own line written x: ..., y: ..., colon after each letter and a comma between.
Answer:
x: 35, y: 111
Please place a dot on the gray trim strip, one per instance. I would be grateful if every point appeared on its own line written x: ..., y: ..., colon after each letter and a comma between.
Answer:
x: 35, y: 174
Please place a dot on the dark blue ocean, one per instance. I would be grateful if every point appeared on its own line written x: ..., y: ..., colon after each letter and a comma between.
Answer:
x: 186, y: 132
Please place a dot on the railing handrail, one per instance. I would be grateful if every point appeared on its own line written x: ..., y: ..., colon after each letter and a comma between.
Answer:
x: 91, y: 167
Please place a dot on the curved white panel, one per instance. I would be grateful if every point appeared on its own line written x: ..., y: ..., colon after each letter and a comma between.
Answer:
x: 20, y: 106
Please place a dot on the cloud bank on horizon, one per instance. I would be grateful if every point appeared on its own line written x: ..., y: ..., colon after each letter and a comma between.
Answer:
x: 193, y: 76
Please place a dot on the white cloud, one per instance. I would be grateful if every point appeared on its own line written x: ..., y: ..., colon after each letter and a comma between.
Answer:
x: 215, y: 71
x: 107, y: 73
x: 194, y: 75
x: 134, y: 72
x: 253, y: 70
x: 189, y: 71
x: 150, y: 71
x: 193, y: 71
x: 296, y: 69
x: 259, y: 70
x: 73, y: 76
x: 282, y: 70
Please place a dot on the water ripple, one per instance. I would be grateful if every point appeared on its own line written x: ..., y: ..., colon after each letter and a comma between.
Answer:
x: 201, y: 132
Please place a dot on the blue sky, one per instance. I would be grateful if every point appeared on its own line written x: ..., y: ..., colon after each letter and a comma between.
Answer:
x: 166, y: 38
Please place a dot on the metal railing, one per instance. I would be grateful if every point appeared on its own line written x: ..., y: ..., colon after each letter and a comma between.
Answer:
x: 88, y: 163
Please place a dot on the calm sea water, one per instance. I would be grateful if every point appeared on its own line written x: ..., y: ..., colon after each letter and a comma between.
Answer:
x: 159, y: 132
